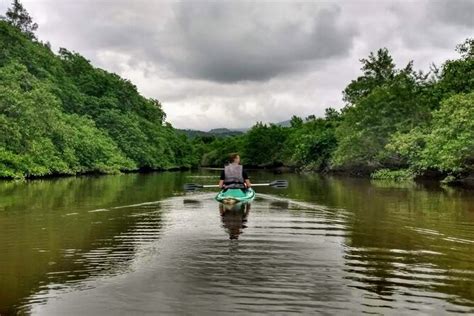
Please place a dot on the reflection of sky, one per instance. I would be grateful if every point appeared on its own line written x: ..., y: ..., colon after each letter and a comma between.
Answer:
x: 194, y: 267
x: 109, y: 255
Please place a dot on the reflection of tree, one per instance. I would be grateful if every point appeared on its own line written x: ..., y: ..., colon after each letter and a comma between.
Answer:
x: 49, y: 236
x: 108, y: 250
x: 385, y: 253
x: 397, y: 238
x: 234, y: 218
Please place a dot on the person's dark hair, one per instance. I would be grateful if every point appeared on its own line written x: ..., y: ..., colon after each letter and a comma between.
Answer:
x: 232, y: 157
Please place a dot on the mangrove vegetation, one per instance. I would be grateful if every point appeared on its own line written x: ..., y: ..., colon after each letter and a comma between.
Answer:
x: 397, y: 123
x: 61, y: 115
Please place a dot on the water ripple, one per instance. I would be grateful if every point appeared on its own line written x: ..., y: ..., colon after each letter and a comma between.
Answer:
x: 186, y: 255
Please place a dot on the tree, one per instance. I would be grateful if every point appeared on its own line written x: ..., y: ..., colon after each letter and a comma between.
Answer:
x: 378, y: 69
x: 332, y: 114
x: 447, y: 144
x: 456, y: 75
x: 264, y: 144
x: 20, y: 18
x: 296, y: 121
x: 310, y: 117
x: 466, y: 49
x: 383, y: 101
x: 310, y: 146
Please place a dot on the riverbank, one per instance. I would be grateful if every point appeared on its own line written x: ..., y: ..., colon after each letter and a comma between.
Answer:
x: 96, y: 173
x: 466, y: 181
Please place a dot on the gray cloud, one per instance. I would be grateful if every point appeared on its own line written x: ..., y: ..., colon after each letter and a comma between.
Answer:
x: 231, y: 63
x: 458, y: 12
x: 222, y: 41
x: 233, y: 41
x: 435, y: 24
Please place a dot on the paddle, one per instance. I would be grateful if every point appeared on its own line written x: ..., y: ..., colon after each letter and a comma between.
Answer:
x: 277, y: 184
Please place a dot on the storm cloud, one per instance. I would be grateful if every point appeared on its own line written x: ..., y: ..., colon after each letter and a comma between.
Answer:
x: 232, y: 63
x: 237, y: 41
x: 458, y: 12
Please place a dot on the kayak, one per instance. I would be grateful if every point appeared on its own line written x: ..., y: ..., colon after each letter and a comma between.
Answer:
x: 233, y: 196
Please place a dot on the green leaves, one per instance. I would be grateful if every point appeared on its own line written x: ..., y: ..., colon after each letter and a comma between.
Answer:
x: 393, y: 175
x: 264, y: 145
x: 395, y: 101
x: 450, y: 144
x: 60, y: 115
x: 18, y: 17
x: 311, y: 145
x: 378, y: 69
x: 446, y: 144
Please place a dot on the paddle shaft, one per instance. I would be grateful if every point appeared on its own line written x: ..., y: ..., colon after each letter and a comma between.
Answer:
x: 277, y: 184
x: 253, y: 185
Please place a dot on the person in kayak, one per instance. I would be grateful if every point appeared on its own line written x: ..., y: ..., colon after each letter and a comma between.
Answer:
x: 234, y: 176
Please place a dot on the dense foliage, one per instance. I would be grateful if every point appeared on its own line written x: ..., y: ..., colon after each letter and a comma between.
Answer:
x: 60, y: 115
x: 307, y: 143
x: 447, y: 143
x: 396, y: 123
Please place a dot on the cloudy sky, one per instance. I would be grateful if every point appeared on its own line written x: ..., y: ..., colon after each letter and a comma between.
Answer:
x: 232, y: 63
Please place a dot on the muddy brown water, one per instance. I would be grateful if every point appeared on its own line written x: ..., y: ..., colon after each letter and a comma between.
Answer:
x: 135, y: 244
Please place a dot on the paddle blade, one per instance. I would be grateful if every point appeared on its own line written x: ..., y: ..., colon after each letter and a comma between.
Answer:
x: 192, y: 186
x: 279, y: 184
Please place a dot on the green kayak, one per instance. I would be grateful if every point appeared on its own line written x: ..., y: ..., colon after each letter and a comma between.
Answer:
x: 232, y: 196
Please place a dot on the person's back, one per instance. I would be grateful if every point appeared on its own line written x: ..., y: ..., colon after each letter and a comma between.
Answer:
x: 234, y: 176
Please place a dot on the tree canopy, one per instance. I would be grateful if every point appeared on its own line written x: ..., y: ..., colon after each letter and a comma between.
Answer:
x: 61, y: 115
x: 18, y: 17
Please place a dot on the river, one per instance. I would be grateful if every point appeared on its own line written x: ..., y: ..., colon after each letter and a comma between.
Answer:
x: 136, y: 244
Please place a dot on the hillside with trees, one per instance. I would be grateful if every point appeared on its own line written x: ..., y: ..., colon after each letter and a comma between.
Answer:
x: 59, y: 115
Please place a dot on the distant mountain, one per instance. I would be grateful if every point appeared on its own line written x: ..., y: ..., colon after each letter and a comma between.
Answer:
x: 243, y: 130
x: 286, y: 123
x: 223, y: 132
x: 216, y: 132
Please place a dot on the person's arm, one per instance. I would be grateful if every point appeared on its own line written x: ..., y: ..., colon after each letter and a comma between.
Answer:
x: 221, y: 181
x: 246, y: 179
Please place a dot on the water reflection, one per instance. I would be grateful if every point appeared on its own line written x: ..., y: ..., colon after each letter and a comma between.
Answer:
x: 329, y: 245
x: 61, y: 231
x: 192, y: 203
x: 283, y: 204
x: 234, y: 218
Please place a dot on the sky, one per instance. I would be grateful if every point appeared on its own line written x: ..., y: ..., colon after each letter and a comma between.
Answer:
x: 232, y: 63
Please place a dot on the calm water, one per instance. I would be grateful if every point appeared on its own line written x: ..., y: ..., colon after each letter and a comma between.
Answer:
x: 133, y: 244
